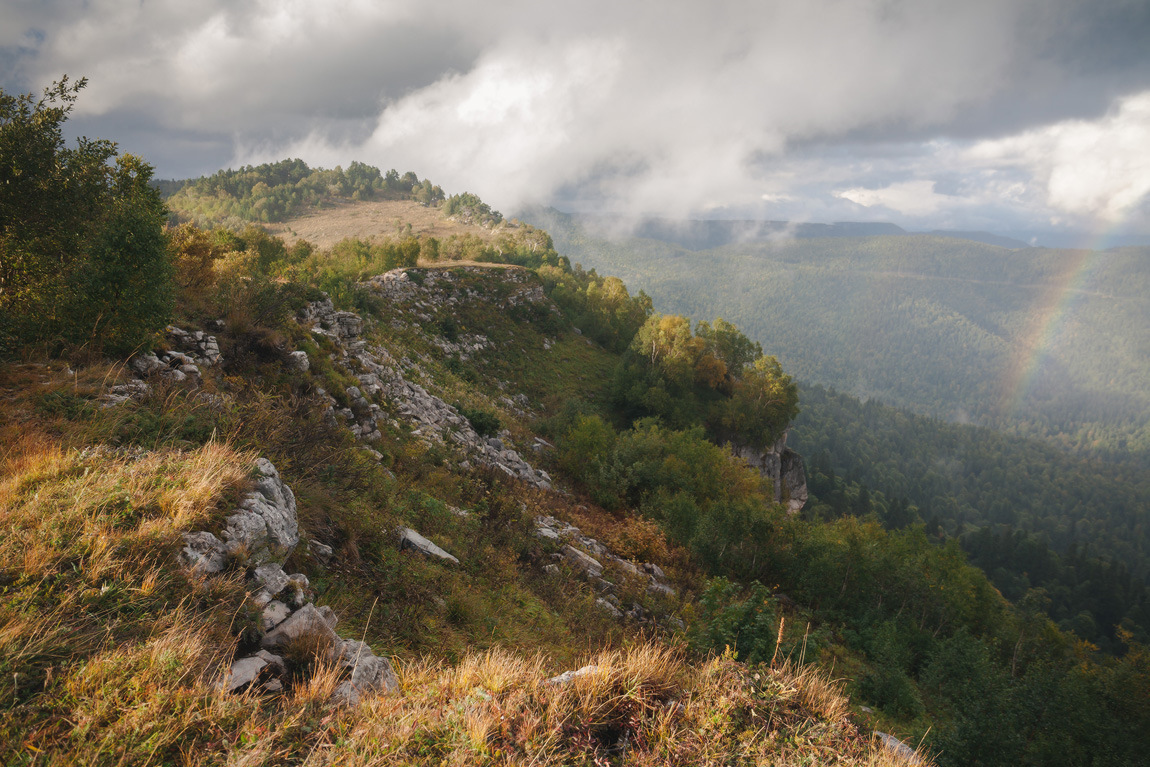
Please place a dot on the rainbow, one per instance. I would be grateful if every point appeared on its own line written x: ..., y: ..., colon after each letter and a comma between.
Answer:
x: 1057, y: 307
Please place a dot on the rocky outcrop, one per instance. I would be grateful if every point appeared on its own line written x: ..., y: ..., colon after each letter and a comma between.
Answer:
x: 203, y: 349
x: 381, y: 379
x: 445, y: 288
x: 190, y: 350
x: 262, y: 529
x: 592, y: 559
x: 261, y: 534
x: 784, y: 468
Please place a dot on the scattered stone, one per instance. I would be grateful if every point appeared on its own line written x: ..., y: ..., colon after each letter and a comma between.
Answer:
x: 369, y: 672
x: 118, y: 394
x: 275, y: 662
x: 298, y: 361
x: 583, y: 562
x: 896, y: 746
x: 305, y: 623
x: 610, y: 608
x: 567, y: 676
x: 408, y: 538
x: 652, y: 570
x: 244, y: 672
x: 320, y: 551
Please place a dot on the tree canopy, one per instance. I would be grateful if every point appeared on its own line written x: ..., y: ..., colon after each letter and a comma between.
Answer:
x: 83, y: 255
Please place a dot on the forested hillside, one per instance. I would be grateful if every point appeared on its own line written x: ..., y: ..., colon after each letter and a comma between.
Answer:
x: 1035, y: 342
x: 1032, y: 516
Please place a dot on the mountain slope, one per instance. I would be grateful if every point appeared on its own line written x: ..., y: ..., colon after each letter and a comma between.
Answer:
x: 1035, y: 341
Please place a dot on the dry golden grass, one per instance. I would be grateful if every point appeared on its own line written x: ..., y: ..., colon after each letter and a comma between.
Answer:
x: 640, y: 706
x: 100, y: 510
x: 374, y: 220
x: 110, y: 655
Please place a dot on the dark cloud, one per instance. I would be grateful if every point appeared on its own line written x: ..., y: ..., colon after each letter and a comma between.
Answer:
x: 950, y: 114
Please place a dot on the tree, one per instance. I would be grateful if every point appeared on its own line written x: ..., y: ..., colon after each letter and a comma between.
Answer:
x: 763, y: 402
x: 83, y: 257
x: 124, y: 288
x: 727, y: 343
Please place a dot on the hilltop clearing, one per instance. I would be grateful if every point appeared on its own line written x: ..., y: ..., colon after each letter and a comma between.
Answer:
x: 377, y: 220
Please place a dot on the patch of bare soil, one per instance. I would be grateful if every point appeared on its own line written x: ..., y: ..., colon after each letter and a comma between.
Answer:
x: 374, y: 220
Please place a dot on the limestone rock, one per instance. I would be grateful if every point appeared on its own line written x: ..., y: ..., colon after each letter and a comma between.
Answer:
x: 582, y: 562
x: 265, y: 525
x: 568, y: 676
x: 369, y: 672
x: 298, y: 361
x: 204, y: 553
x: 603, y: 604
x: 409, y: 539
x: 896, y: 746
x: 305, y: 623
x: 273, y: 615
x: 275, y: 662
x: 329, y: 615
x: 244, y: 672
x: 784, y: 468
x: 320, y: 551
x: 271, y: 577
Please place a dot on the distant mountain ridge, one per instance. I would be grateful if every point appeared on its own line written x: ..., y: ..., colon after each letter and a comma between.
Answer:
x: 705, y: 234
x: 1040, y: 342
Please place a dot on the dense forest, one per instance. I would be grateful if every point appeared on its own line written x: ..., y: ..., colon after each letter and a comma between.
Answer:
x: 1043, y: 524
x: 1034, y: 342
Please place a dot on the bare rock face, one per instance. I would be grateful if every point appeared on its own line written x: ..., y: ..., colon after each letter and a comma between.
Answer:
x: 793, y: 475
x: 784, y: 468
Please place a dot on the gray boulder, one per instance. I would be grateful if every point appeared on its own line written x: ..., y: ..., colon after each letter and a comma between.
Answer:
x: 582, y: 562
x: 305, y: 624
x: 409, y: 539
x: 298, y: 361
x: 244, y: 672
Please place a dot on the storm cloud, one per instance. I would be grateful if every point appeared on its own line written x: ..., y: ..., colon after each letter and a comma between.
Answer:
x: 1004, y: 114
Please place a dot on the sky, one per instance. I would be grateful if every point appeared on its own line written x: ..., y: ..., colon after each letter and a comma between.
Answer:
x: 1011, y: 116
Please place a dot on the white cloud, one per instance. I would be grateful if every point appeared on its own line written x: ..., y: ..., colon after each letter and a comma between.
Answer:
x: 913, y: 198
x: 1087, y: 169
x: 763, y: 107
